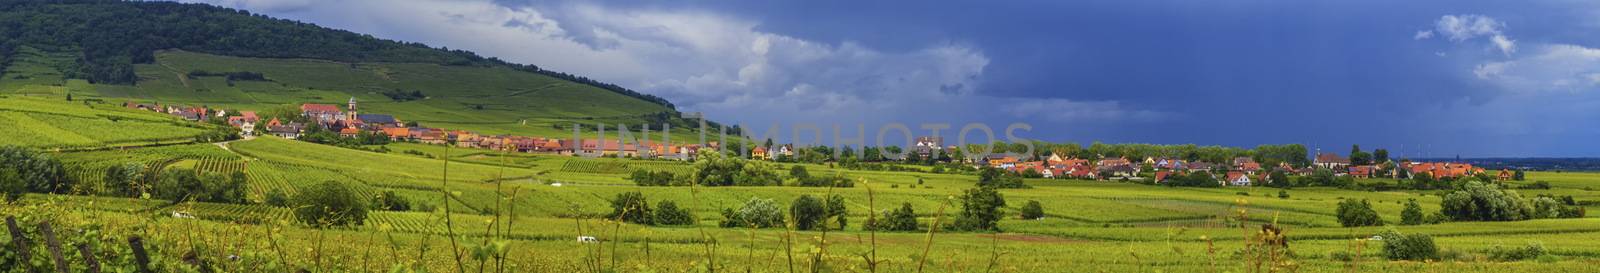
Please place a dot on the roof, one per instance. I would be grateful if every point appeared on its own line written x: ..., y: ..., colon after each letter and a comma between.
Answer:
x: 376, y: 118
x: 1236, y: 175
x: 312, y: 107
x: 1332, y: 158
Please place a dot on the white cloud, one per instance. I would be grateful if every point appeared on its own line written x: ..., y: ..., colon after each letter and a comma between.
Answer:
x: 1556, y: 68
x: 701, y: 61
x: 1461, y: 28
x: 1422, y: 34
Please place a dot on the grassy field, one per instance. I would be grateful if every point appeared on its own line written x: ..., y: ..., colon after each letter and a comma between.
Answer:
x: 43, y: 122
x: 543, y: 202
x: 1107, y: 226
x: 486, y: 100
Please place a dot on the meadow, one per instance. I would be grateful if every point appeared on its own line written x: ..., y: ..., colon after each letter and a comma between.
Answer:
x: 1097, y: 226
x: 529, y: 209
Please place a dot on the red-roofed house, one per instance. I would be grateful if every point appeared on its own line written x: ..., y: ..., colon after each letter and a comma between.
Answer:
x: 1238, y: 179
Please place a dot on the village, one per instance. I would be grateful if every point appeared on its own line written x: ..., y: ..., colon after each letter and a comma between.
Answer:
x: 1241, y: 171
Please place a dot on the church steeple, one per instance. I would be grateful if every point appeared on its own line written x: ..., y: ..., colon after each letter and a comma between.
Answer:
x: 350, y: 111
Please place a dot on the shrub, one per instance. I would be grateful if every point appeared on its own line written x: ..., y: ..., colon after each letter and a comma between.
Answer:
x: 654, y: 178
x: 1415, y: 247
x: 123, y: 180
x: 631, y: 207
x: 1476, y: 201
x: 756, y: 213
x: 997, y: 178
x: 11, y: 184
x: 1412, y: 214
x: 902, y: 219
x: 668, y: 213
x: 1505, y: 254
x: 277, y: 198
x: 1032, y: 210
x: 1283, y: 194
x: 330, y: 203
x: 390, y: 201
x: 806, y: 211
x: 980, y: 209
x: 178, y: 185
x: 1354, y: 213
x: 35, y: 171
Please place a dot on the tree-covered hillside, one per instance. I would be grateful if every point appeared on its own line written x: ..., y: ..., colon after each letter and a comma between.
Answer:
x: 107, y: 38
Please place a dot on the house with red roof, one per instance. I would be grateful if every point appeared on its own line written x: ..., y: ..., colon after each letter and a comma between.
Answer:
x: 1238, y: 179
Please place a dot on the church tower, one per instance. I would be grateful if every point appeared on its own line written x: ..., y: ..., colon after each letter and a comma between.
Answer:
x: 350, y: 112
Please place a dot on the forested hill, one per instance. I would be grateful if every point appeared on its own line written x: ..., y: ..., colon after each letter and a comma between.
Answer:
x: 109, y: 37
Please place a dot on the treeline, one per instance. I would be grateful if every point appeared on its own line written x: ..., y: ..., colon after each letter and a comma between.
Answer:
x: 714, y: 169
x: 110, y: 36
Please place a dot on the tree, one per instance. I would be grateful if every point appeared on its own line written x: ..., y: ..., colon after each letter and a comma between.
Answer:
x: 902, y: 219
x: 1518, y: 175
x: 1278, y: 179
x: 1354, y: 213
x: 1380, y: 155
x: 754, y: 213
x: 277, y: 198
x: 1033, y: 210
x: 837, y: 211
x: 38, y: 172
x: 668, y: 213
x: 123, y: 180
x: 631, y: 207
x: 980, y: 209
x: 1412, y: 214
x: 1476, y: 201
x: 330, y: 203
x: 1414, y: 247
x: 390, y: 201
x: 11, y: 184
x: 799, y: 173
x: 806, y: 211
x: 178, y: 185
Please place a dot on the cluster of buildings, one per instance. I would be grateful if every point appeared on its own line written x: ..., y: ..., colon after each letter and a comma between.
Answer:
x: 1242, y: 171
x: 245, y: 121
x: 349, y: 123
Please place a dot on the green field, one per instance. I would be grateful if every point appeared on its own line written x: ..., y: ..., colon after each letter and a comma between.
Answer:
x: 487, y: 100
x: 1107, y: 226
x: 44, y: 123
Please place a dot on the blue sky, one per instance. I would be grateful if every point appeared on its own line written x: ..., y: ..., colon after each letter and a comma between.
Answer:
x: 1421, y: 78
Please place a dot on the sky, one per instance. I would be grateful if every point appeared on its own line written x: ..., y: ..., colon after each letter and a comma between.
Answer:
x: 1421, y: 78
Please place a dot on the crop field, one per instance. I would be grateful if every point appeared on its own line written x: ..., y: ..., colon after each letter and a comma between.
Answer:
x: 34, y: 123
x: 537, y: 204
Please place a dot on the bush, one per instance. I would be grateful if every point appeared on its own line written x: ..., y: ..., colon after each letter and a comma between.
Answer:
x: 654, y: 178
x: 902, y: 219
x: 330, y: 203
x: 668, y: 213
x: 1032, y: 210
x: 1354, y: 213
x: 11, y: 184
x: 1283, y: 194
x: 1414, y: 247
x: 631, y: 207
x: 806, y: 211
x: 997, y: 178
x: 980, y: 209
x: 277, y: 198
x: 390, y: 201
x: 1412, y: 214
x: 123, y: 180
x: 755, y: 213
x: 1505, y: 254
x: 35, y: 171
x: 1476, y: 201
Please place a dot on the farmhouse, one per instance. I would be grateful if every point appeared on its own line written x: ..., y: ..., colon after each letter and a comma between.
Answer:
x: 289, y: 131
x: 1505, y: 175
x: 1237, y: 178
